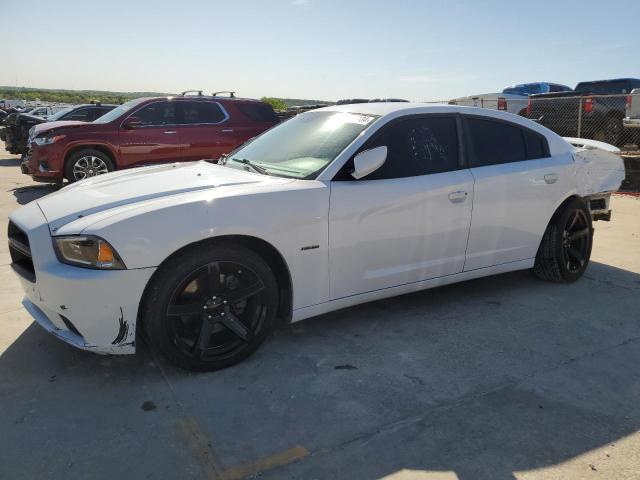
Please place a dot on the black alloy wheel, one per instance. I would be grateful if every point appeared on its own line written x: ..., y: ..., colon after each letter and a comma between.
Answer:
x: 210, y: 306
x: 576, y: 243
x: 565, y: 249
x: 217, y: 311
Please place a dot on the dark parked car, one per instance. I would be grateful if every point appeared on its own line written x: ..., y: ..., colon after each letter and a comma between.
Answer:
x: 146, y: 131
x: 17, y: 126
x: 601, y: 116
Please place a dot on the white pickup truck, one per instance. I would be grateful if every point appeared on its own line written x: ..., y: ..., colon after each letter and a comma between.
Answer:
x: 512, y: 99
x: 632, y: 116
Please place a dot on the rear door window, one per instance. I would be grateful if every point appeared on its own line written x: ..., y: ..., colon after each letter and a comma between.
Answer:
x: 194, y: 113
x: 495, y: 142
x: 258, y: 112
x: 535, y: 145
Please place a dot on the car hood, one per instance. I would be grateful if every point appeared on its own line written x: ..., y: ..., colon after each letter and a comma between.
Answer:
x: 48, y: 126
x: 26, y: 117
x: 126, y: 187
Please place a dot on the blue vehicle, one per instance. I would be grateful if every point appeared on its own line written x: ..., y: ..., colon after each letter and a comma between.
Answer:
x: 535, y: 88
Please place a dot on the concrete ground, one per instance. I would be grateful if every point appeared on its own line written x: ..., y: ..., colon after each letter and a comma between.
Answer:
x: 500, y: 378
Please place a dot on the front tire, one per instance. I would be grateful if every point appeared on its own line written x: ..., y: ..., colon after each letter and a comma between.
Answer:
x: 565, y: 250
x: 210, y: 307
x: 87, y: 163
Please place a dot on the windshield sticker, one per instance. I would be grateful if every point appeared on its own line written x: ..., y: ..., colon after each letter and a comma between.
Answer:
x: 359, y: 119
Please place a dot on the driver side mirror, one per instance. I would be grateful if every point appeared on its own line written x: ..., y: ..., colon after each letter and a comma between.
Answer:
x: 368, y: 161
x: 131, y: 122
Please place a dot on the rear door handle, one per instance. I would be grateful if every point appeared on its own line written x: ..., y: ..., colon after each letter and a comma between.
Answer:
x: 169, y: 132
x: 457, y: 197
x: 227, y: 130
x: 551, y: 178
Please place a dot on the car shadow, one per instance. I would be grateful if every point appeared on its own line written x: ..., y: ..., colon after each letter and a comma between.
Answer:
x: 483, y: 379
x: 29, y: 193
x: 10, y: 162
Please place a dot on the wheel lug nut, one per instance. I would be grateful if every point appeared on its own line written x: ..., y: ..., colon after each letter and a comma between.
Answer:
x: 209, y: 316
x: 204, y: 308
x: 224, y: 301
x: 222, y: 314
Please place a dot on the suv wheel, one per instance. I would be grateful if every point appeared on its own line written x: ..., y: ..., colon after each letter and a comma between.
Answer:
x: 87, y: 163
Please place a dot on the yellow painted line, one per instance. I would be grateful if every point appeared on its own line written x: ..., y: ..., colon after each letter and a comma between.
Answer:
x: 265, y: 463
x: 212, y: 466
x: 199, y: 444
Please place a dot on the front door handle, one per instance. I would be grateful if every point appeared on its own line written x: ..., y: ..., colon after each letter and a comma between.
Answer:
x: 227, y: 130
x: 169, y: 132
x: 457, y: 197
x: 551, y: 178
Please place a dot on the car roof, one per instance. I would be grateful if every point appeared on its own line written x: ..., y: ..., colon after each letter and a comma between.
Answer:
x: 382, y: 108
x: 390, y: 111
x: 404, y: 108
x: 94, y: 105
x: 198, y: 98
x: 628, y: 79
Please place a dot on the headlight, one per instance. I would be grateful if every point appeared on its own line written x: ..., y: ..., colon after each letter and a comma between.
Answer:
x: 47, y: 140
x: 87, y: 251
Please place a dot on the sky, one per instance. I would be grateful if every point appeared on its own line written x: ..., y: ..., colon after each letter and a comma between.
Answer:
x: 420, y: 50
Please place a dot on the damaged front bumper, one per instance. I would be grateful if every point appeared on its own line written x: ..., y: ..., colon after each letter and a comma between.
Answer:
x: 93, y: 310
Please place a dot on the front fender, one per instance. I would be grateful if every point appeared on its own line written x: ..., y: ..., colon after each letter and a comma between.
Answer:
x: 85, y: 143
x: 294, y: 221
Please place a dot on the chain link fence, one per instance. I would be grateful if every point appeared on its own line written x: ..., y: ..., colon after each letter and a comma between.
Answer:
x: 597, y: 117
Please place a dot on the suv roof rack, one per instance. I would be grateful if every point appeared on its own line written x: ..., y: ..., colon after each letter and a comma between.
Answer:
x: 199, y: 92
x: 231, y: 94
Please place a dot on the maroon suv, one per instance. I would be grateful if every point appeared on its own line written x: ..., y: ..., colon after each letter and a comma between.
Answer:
x: 145, y: 131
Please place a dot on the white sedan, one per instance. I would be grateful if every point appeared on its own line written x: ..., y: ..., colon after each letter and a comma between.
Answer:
x: 335, y: 207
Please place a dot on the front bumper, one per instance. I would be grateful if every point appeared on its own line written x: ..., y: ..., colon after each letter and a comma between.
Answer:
x: 93, y: 310
x: 25, y: 167
x: 45, y: 163
x: 631, y: 122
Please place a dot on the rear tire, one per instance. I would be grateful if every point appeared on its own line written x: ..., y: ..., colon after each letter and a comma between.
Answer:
x: 210, y: 307
x: 87, y: 163
x: 565, y: 250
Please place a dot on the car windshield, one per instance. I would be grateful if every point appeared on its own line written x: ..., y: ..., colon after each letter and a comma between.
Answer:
x: 302, y: 146
x: 526, y: 89
x: 60, y: 113
x: 116, y: 112
x: 604, y: 88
